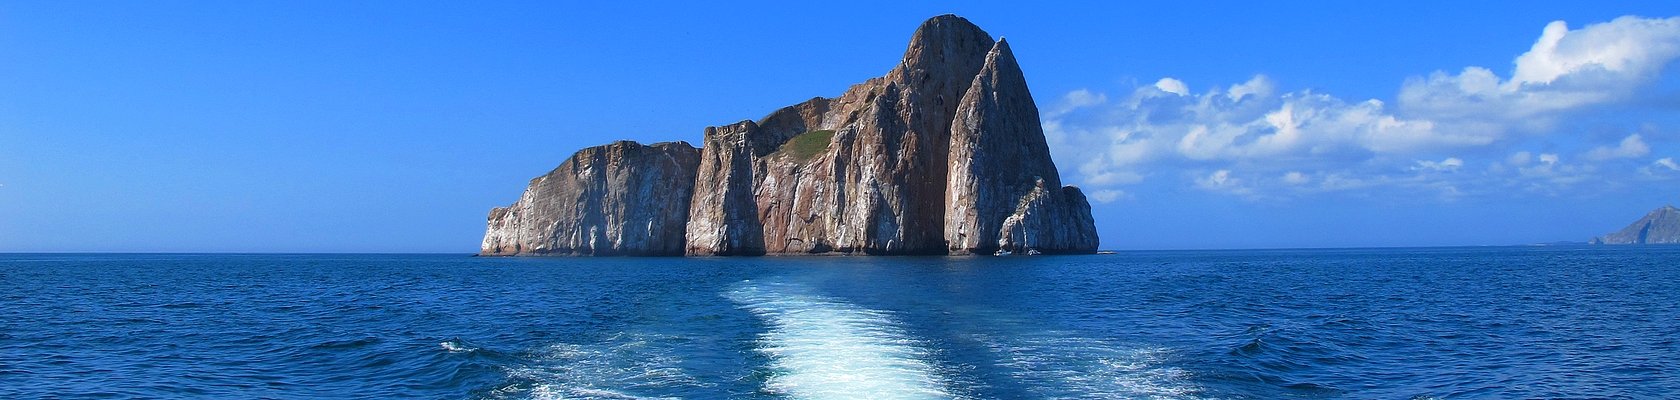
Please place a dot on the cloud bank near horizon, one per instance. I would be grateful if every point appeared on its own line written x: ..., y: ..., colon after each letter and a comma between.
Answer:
x: 1448, y: 135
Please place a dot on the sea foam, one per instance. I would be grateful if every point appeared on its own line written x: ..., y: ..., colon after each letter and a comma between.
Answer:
x: 622, y: 366
x: 1051, y: 364
x: 824, y: 348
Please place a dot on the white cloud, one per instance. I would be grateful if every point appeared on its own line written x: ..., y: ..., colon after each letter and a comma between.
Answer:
x: 1564, y: 70
x: 1667, y: 162
x: 1114, y: 178
x: 1272, y: 136
x: 1079, y: 99
x: 1338, y: 182
x: 1248, y: 121
x: 1295, y: 178
x: 1520, y: 158
x: 1259, y: 86
x: 1448, y: 165
x: 1218, y: 179
x: 1222, y: 181
x: 1631, y: 147
x: 1661, y: 167
x: 1107, y: 195
x: 1629, y: 47
x: 1173, y: 86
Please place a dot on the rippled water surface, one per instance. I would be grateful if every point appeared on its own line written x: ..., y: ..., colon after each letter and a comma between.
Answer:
x: 1390, y: 323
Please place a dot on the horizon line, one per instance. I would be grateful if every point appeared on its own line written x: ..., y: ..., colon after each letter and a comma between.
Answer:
x: 1543, y: 244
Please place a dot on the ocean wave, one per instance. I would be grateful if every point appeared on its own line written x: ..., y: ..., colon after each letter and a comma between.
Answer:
x: 622, y: 366
x: 1051, y: 364
x: 457, y: 346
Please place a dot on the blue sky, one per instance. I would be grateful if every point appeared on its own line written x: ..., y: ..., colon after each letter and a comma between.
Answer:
x: 396, y: 126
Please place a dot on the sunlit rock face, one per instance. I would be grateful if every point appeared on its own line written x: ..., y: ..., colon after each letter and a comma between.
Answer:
x: 619, y: 199
x: 942, y: 155
x: 1003, y: 191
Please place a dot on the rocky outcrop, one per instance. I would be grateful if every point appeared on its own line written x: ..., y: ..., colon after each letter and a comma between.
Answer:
x: 1003, y: 191
x: 619, y: 199
x: 723, y: 219
x: 1661, y: 226
x: 942, y: 155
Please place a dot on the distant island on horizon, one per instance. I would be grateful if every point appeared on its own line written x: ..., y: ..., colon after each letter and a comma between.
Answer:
x: 1660, y: 226
x: 945, y: 154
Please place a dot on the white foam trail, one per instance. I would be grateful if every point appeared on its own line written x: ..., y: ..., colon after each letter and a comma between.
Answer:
x: 611, y: 369
x: 822, y: 348
x: 1056, y: 365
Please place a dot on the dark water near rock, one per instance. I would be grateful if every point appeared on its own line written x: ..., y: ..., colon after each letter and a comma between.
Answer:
x: 1390, y: 323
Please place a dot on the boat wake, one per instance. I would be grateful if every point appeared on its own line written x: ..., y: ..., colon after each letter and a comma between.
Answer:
x: 623, y: 366
x: 824, y: 348
x: 1057, y: 365
x: 814, y: 346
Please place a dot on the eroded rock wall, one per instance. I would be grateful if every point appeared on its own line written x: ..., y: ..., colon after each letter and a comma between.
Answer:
x: 619, y: 199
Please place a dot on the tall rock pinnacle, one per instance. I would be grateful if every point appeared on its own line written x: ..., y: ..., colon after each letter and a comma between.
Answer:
x: 944, y: 154
x: 1002, y: 187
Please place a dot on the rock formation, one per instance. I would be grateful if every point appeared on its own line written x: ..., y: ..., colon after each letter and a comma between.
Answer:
x: 619, y: 199
x: 1003, y: 191
x: 1661, y: 226
x: 943, y: 155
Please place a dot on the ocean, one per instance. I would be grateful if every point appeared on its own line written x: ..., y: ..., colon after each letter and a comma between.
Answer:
x: 1497, y: 322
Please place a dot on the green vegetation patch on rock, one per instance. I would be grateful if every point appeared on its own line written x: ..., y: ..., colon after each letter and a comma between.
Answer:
x: 806, y: 145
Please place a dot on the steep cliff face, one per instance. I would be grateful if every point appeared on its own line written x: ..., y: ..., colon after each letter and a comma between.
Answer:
x: 619, y: 199
x: 943, y: 154
x: 1003, y: 191
x: 930, y: 159
x: 1660, y: 226
x: 722, y: 219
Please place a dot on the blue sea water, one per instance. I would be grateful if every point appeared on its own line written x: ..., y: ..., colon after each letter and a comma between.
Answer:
x: 1520, y: 322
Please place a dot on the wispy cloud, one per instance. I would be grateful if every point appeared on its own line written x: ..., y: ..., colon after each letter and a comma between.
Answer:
x: 1451, y: 164
x: 1631, y: 147
x: 1447, y: 131
x: 1108, y: 195
x: 1662, y: 167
